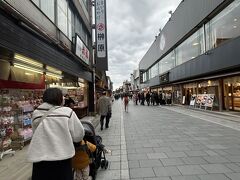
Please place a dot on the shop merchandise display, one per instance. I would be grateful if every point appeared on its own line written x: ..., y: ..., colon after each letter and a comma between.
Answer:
x: 6, y: 127
x: 78, y: 96
x: 16, y: 109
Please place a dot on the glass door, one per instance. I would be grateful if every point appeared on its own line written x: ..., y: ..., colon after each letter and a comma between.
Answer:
x: 232, y: 93
x: 236, y: 95
x: 228, y: 103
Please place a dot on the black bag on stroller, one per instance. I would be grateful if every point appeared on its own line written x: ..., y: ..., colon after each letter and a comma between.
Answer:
x: 98, y: 157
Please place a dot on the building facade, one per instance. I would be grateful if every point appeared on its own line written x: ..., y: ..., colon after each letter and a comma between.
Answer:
x: 47, y: 43
x: 195, y: 57
x: 135, y: 80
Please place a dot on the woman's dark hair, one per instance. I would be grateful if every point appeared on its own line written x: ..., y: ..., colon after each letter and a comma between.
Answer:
x: 53, y: 96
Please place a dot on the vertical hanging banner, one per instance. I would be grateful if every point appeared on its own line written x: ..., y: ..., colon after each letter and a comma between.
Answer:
x: 141, y: 75
x: 101, y: 35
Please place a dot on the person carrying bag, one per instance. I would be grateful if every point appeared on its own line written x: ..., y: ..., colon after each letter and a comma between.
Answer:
x: 55, y: 129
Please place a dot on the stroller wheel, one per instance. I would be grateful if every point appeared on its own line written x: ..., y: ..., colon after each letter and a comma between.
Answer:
x: 102, y: 163
x: 106, y: 164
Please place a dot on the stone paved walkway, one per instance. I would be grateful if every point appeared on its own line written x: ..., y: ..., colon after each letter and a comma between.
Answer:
x: 114, y: 139
x: 159, y: 143
x: 172, y: 143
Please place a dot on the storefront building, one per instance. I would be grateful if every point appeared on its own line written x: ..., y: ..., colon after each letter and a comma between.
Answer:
x: 42, y: 44
x: 195, y: 57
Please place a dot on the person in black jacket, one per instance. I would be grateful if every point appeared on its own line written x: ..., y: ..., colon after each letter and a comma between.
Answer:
x: 148, y: 98
x: 69, y: 102
x: 142, y: 98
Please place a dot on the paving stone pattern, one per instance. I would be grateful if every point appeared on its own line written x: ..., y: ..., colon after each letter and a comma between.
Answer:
x: 172, y: 143
x: 114, y: 139
x: 159, y: 143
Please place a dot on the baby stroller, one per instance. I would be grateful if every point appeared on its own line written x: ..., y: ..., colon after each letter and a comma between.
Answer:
x: 98, y: 157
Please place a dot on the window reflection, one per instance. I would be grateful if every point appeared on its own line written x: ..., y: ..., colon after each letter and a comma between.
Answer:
x: 78, y: 26
x: 47, y: 6
x: 84, y: 35
x: 144, y: 77
x: 70, y: 24
x: 225, y: 26
x: 36, y: 2
x: 62, y: 16
x: 154, y: 71
x: 167, y: 63
x: 190, y: 48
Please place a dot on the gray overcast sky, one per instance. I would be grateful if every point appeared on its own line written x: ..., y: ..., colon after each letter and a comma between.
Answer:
x: 132, y: 27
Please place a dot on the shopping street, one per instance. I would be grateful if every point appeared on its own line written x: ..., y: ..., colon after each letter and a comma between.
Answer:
x: 159, y: 142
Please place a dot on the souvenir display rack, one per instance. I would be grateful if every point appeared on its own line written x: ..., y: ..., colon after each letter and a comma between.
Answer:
x: 6, y: 126
x: 16, y: 109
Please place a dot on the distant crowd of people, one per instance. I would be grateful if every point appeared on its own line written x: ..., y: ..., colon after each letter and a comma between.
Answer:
x: 150, y: 98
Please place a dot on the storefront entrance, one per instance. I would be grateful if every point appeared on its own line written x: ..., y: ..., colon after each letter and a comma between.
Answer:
x: 189, y: 90
x: 232, y: 93
x: 198, y: 93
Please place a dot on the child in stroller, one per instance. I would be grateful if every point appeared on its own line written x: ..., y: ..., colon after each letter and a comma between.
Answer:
x: 90, y: 154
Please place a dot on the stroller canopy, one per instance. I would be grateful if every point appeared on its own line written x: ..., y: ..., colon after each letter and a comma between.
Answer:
x: 88, y: 128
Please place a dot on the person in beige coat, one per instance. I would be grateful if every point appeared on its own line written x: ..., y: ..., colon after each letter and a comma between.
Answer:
x: 104, y: 109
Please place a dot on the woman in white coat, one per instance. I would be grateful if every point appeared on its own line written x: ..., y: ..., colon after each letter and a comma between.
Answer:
x: 55, y: 128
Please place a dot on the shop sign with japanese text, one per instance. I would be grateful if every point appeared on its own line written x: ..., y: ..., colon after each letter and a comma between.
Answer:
x: 81, y: 50
x: 141, y: 75
x: 100, y: 13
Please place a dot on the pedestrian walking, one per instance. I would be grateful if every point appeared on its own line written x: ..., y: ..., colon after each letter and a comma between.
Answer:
x: 139, y: 97
x: 135, y: 98
x: 160, y: 98
x: 55, y: 128
x: 109, y: 114
x: 169, y: 98
x: 148, y: 98
x: 142, y: 98
x: 125, y: 101
x: 156, y: 98
x: 152, y: 99
x: 104, y: 109
x: 163, y: 98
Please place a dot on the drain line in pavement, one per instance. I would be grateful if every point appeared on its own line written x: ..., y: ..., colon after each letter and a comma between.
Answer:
x: 124, y: 170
